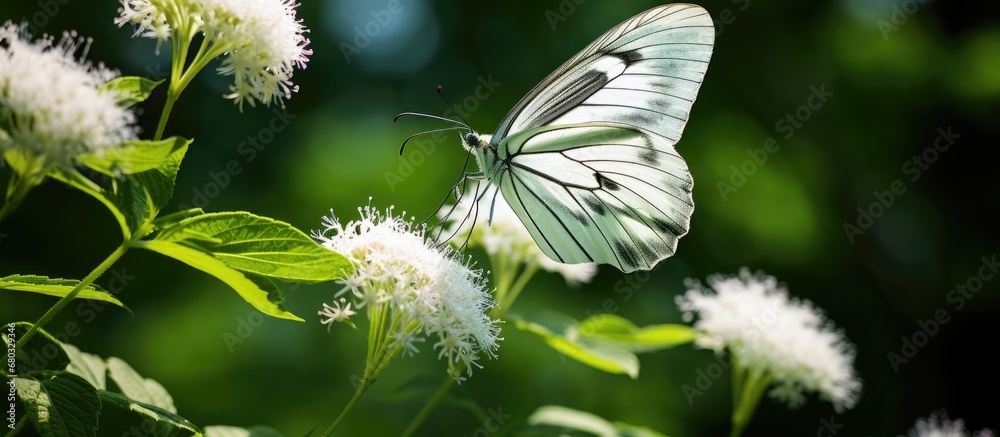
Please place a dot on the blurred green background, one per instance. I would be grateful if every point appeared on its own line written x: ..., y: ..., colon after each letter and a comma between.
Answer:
x: 893, y: 88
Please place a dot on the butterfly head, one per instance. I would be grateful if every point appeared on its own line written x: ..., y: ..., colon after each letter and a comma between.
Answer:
x: 475, y: 141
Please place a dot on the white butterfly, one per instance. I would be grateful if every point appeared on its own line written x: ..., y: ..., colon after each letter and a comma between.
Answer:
x: 587, y: 158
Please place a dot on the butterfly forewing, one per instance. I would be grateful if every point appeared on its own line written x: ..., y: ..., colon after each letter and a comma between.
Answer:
x: 587, y: 158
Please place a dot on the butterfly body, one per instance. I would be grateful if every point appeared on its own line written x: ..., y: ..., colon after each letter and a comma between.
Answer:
x: 587, y: 160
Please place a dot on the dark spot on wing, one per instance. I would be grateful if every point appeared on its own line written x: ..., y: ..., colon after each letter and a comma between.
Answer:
x: 667, y: 226
x: 647, y: 251
x: 595, y: 205
x: 628, y: 254
x: 606, y: 183
x: 630, y: 57
x: 578, y: 216
x: 640, y: 118
x: 649, y: 157
x: 572, y: 95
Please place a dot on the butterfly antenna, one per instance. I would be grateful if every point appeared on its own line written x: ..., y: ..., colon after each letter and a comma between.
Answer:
x: 446, y: 102
x: 418, y: 114
x: 425, y: 133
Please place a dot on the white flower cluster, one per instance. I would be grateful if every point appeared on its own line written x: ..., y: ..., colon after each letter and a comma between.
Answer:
x: 415, y: 287
x: 263, y: 39
x: 752, y: 317
x: 507, y: 236
x: 50, y: 104
x: 938, y: 425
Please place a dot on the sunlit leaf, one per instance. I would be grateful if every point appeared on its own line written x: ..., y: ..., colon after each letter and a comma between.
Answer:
x: 87, y: 366
x: 135, y: 156
x: 234, y: 431
x: 646, y: 339
x: 56, y: 287
x: 562, y: 417
x: 160, y: 415
x: 137, y: 388
x: 599, y: 354
x: 142, y: 195
x: 259, y: 245
x: 267, y: 301
x: 567, y: 419
x: 62, y: 404
x: 130, y: 90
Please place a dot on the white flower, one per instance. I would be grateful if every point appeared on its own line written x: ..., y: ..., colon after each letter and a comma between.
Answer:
x: 507, y: 236
x: 771, y: 334
x: 938, y: 425
x: 50, y: 104
x: 415, y: 288
x: 338, y: 312
x: 263, y: 39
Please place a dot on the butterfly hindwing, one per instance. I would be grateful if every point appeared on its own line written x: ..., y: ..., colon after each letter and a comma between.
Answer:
x: 587, y: 158
x: 599, y: 193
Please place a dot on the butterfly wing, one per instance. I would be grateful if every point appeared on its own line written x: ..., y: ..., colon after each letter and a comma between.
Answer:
x: 587, y: 158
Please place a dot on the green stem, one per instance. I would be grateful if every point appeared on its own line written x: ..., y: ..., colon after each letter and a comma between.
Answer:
x: 516, y: 289
x: 96, y: 273
x: 172, y: 96
x: 745, y: 402
x: 180, y: 77
x: 20, y: 185
x: 428, y: 407
x: 365, y: 383
x: 15, y: 194
x: 17, y: 428
x: 372, y: 372
x: 506, y: 294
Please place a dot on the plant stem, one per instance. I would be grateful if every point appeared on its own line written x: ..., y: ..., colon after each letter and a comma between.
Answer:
x: 20, y: 185
x: 167, y: 107
x: 17, y: 428
x: 515, y: 290
x: 746, y: 399
x: 507, y: 291
x: 365, y: 383
x: 96, y: 273
x: 372, y: 371
x: 428, y: 407
x: 180, y: 77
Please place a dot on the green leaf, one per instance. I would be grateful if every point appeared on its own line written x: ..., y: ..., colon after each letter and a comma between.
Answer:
x: 568, y: 419
x: 135, y: 156
x: 264, y: 296
x: 133, y: 198
x: 62, y: 405
x: 87, y: 366
x: 41, y: 352
x: 70, y: 176
x: 18, y: 160
x: 160, y: 415
x: 603, y: 355
x: 646, y: 339
x: 141, y: 196
x: 627, y: 430
x: 137, y: 388
x: 233, y: 431
x: 56, y: 287
x: 130, y: 90
x: 260, y: 245
x: 176, y: 217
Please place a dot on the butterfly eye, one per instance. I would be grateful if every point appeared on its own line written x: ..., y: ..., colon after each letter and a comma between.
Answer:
x: 472, y: 139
